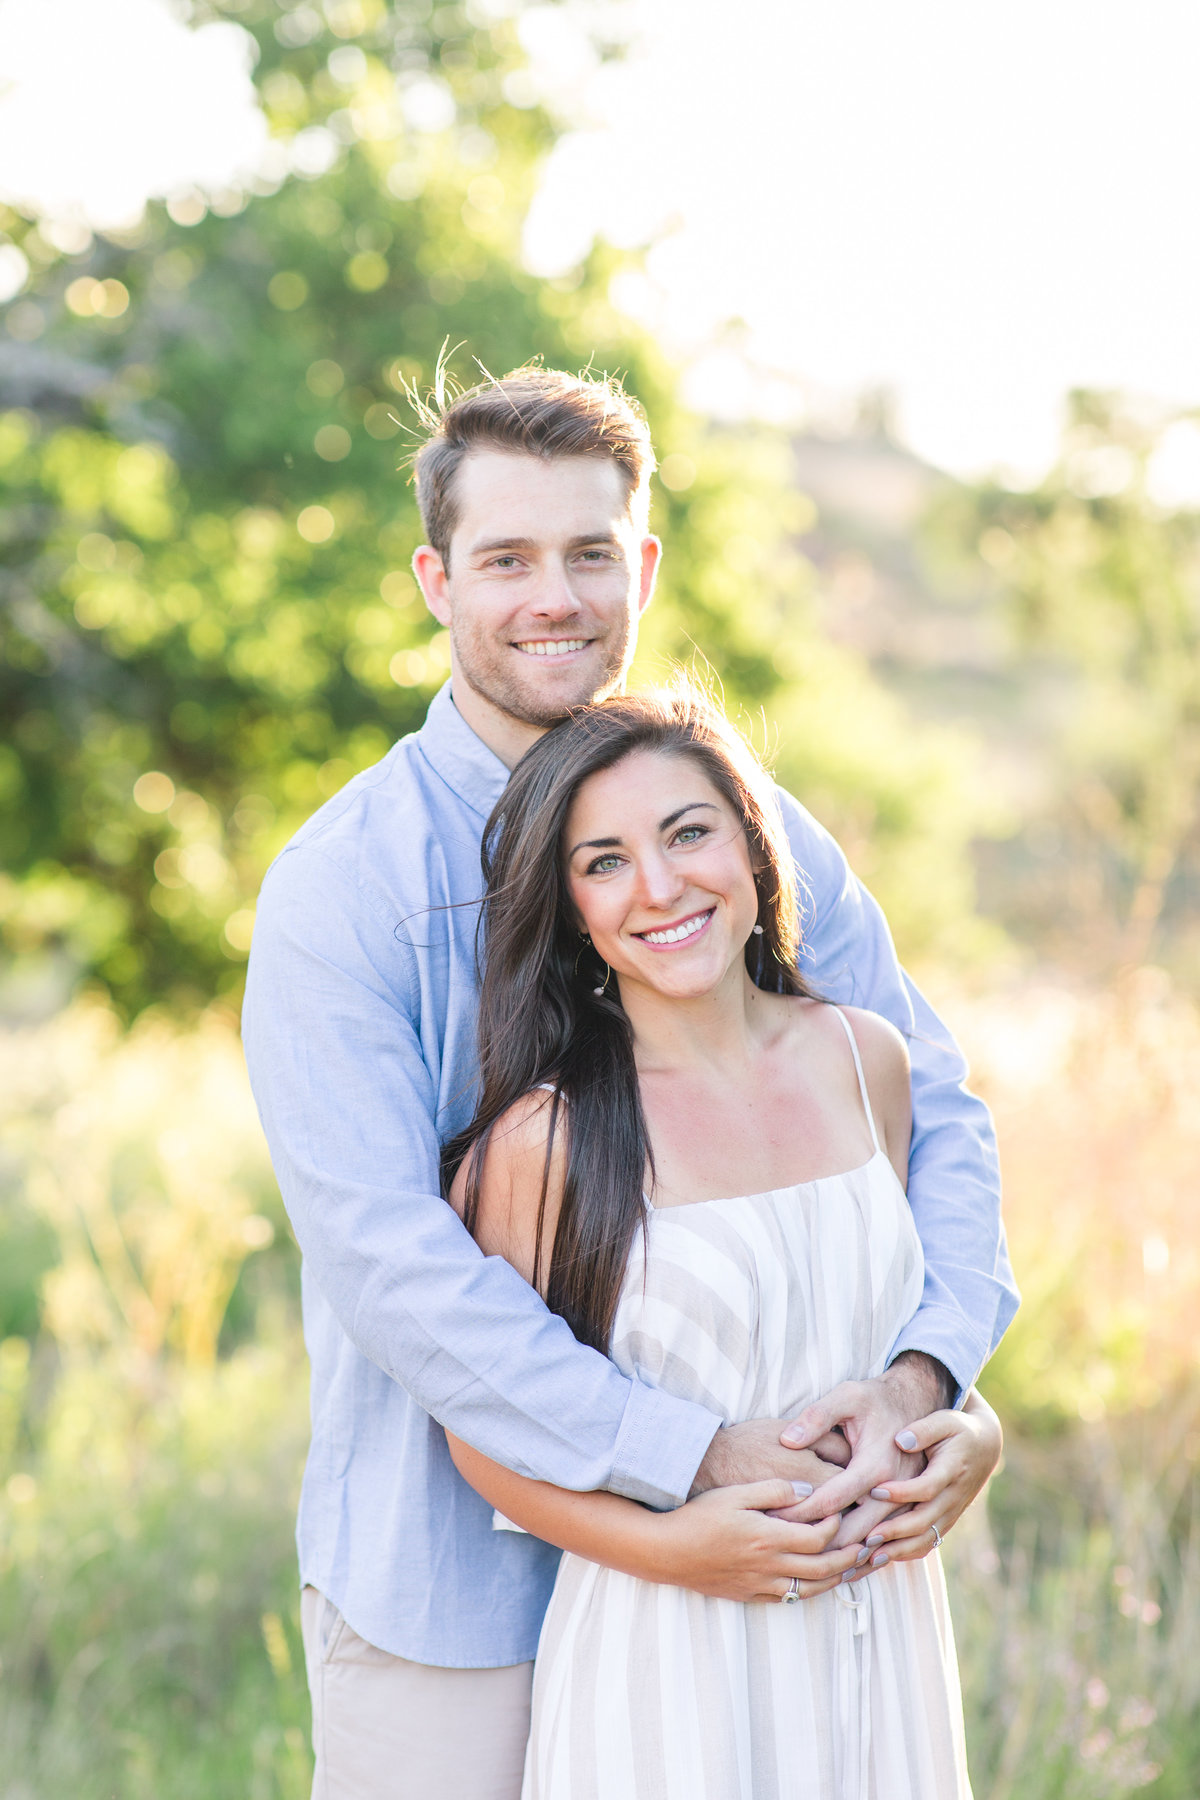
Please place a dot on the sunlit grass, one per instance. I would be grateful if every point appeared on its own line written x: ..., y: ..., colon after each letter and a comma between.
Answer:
x: 152, y: 1426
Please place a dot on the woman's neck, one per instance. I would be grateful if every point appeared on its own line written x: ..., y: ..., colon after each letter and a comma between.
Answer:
x: 724, y: 1026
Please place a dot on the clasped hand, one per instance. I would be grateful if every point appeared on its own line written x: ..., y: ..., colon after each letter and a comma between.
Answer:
x: 871, y: 1469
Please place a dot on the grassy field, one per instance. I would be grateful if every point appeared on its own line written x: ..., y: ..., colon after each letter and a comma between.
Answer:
x: 153, y: 1416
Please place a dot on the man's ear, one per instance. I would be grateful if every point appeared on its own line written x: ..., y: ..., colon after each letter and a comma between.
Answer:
x: 430, y: 572
x: 651, y: 557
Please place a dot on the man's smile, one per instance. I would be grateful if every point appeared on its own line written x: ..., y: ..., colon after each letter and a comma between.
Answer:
x: 552, y: 646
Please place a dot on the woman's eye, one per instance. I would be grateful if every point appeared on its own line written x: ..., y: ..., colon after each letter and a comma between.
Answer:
x: 604, y: 865
x: 691, y: 834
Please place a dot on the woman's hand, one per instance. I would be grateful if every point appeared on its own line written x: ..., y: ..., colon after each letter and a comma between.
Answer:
x: 961, y: 1451
x: 726, y: 1544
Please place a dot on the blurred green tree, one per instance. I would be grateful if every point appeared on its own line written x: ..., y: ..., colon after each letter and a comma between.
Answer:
x: 209, y: 623
x: 1099, y: 569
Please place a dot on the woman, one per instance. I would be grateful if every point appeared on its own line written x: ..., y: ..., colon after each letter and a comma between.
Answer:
x: 701, y: 1166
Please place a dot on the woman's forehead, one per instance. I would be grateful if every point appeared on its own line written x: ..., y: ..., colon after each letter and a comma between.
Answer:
x: 646, y: 779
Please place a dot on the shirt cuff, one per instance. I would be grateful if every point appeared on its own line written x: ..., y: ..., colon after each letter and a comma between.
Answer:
x: 660, y: 1446
x: 938, y: 1331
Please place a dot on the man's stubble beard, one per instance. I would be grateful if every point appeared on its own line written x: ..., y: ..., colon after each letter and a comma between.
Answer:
x: 485, y: 669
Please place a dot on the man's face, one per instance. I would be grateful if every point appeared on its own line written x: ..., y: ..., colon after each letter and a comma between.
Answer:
x: 547, y: 578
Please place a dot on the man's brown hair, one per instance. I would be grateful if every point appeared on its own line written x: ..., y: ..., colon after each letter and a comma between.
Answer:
x: 536, y: 412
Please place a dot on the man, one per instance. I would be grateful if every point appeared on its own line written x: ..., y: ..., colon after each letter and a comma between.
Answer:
x: 420, y: 1620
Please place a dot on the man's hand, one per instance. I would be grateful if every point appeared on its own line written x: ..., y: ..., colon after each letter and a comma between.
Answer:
x: 754, y: 1452
x: 870, y: 1414
x: 961, y: 1450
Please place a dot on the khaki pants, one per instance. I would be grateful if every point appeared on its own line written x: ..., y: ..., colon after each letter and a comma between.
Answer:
x: 387, y: 1729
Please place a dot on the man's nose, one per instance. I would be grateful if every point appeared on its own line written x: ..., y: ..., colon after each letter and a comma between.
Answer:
x: 555, y: 598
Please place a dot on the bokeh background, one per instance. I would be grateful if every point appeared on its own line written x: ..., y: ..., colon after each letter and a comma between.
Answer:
x: 909, y: 295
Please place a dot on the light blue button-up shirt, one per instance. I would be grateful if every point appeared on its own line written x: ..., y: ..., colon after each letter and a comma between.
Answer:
x: 359, y: 1029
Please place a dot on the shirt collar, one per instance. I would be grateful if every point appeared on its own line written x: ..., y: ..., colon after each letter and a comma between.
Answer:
x: 459, y: 756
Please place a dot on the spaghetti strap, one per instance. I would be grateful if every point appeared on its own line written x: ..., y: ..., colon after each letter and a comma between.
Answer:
x: 862, y: 1080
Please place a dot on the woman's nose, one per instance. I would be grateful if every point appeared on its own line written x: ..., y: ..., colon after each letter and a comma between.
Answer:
x: 659, y: 881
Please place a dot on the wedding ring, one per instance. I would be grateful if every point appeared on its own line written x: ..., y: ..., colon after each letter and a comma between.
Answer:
x: 937, y: 1537
x: 793, y: 1593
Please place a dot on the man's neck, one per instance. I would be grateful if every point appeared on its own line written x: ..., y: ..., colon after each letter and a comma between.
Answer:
x: 506, y: 737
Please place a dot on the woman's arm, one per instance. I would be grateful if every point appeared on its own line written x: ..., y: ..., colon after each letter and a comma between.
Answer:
x: 725, y: 1543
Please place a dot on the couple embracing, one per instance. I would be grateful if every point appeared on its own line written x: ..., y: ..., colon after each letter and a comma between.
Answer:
x: 644, y: 1279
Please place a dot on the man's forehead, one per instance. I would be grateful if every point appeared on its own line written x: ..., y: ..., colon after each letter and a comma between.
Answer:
x: 519, y: 495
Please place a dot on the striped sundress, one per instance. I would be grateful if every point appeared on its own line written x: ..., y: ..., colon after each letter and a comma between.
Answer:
x: 755, y: 1306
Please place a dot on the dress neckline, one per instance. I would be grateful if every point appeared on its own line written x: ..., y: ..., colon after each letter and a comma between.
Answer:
x: 787, y: 1187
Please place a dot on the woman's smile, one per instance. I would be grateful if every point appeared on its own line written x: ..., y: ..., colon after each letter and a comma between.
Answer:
x: 670, y: 937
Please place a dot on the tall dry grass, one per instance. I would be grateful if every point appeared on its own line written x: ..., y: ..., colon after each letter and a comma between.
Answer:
x: 1078, y: 1590
x: 152, y: 1414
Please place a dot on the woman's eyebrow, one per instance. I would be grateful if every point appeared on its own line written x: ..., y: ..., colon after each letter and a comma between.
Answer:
x: 614, y: 843
x: 674, y: 818
x: 598, y: 844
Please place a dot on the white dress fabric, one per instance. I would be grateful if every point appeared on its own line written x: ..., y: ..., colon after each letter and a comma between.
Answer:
x: 755, y: 1306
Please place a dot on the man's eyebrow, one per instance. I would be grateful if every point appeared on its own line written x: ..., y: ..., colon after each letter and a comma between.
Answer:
x: 526, y: 543
x: 614, y: 843
x: 507, y: 543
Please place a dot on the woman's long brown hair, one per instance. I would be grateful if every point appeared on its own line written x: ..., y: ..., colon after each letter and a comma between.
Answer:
x: 540, y: 1021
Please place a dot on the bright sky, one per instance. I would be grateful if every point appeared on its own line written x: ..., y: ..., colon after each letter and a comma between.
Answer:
x: 977, y: 208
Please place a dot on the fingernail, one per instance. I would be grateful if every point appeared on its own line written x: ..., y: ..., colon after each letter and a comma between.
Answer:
x: 861, y: 1558
x: 792, y: 1440
x: 802, y: 1489
x: 907, y: 1440
x: 878, y: 1560
x: 847, y: 1575
x: 876, y: 1537
x: 881, y: 1493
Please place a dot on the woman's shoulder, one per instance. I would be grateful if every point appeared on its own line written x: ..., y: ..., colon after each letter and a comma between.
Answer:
x: 888, y: 1075
x: 881, y: 1047
x: 521, y: 1135
x: 525, y: 1152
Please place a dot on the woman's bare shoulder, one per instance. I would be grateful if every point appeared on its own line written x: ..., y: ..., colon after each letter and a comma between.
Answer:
x: 888, y: 1075
x: 511, y: 1178
x: 879, y: 1043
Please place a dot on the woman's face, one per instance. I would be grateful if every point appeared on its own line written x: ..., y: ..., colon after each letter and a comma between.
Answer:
x: 659, y: 870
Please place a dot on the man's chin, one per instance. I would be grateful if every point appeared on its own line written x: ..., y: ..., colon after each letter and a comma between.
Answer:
x: 544, y: 705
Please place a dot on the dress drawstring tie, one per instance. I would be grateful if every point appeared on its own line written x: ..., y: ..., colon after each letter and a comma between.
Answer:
x: 853, y: 1685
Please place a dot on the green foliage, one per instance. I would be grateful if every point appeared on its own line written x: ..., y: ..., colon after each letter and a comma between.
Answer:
x: 1100, y: 579
x: 148, y: 1602
x: 210, y: 624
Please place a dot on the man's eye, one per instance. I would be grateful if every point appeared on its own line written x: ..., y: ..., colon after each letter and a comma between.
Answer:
x: 505, y: 562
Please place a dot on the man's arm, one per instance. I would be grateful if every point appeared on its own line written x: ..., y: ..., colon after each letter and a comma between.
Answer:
x: 954, y: 1178
x: 953, y: 1189
x: 332, y: 1028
